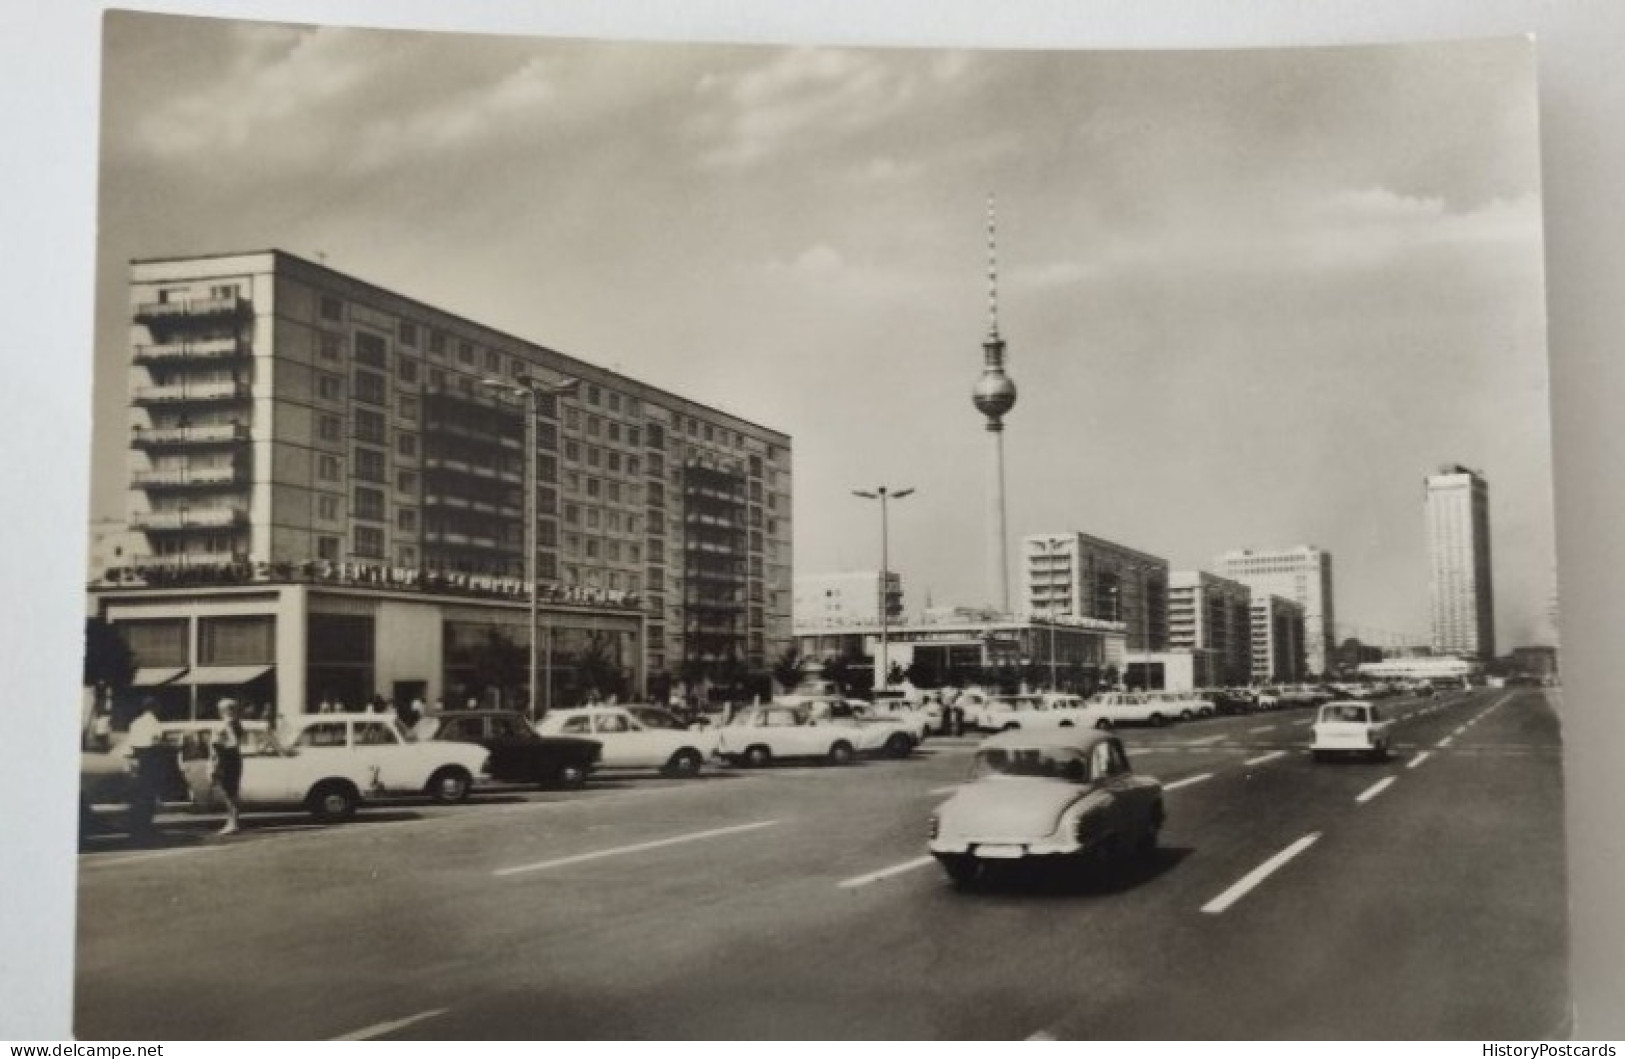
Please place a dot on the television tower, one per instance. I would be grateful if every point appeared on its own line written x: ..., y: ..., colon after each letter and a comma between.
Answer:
x: 994, y: 396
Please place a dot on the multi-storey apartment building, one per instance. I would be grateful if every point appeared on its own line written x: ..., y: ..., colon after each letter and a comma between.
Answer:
x: 847, y: 599
x: 1076, y: 575
x: 1278, y: 640
x: 1303, y: 575
x: 1459, y: 570
x: 299, y: 428
x: 1211, y: 617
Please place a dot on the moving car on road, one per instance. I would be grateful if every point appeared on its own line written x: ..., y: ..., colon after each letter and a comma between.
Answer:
x: 759, y: 735
x: 1112, y: 708
x: 1056, y: 796
x: 1350, y: 727
x: 629, y: 743
x: 518, y: 753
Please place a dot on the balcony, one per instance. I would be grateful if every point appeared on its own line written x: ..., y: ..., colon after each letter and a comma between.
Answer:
x: 183, y: 437
x: 192, y: 393
x: 168, y: 312
x: 189, y: 477
x: 189, y: 518
x: 201, y: 351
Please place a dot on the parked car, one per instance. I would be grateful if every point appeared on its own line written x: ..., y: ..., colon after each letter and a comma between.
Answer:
x: 1047, y: 796
x: 329, y: 764
x: 1005, y: 713
x: 1111, y: 708
x: 872, y: 734
x: 1350, y: 727
x: 759, y: 735
x: 915, y: 722
x: 518, y: 753
x: 629, y: 743
x: 1184, y: 705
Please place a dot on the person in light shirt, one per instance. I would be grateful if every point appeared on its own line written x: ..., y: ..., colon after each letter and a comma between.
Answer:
x: 153, y: 761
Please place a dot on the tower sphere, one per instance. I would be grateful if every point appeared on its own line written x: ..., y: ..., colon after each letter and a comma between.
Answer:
x: 994, y: 393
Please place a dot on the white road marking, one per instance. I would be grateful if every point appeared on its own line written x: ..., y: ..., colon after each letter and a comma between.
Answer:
x: 1459, y: 729
x: 1375, y: 789
x: 1208, y: 740
x: 641, y: 847
x: 382, y: 1028
x: 157, y: 854
x: 1251, y: 880
x: 1446, y: 741
x: 1187, y: 781
x: 884, y: 873
x: 1417, y: 760
x: 1046, y: 1035
x: 1260, y: 759
x: 1261, y: 728
x: 945, y: 790
x: 1306, y: 722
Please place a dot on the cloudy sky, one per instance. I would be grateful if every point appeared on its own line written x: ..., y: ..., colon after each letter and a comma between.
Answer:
x: 1251, y: 298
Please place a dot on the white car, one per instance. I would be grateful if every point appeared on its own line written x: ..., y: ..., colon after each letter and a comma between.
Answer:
x: 327, y: 763
x: 1047, y: 797
x: 1185, y: 705
x: 333, y: 762
x: 1350, y: 727
x: 760, y: 735
x: 629, y: 743
x: 1112, y: 708
x: 902, y: 720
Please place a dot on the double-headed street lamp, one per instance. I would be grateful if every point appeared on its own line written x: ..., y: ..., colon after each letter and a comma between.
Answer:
x: 532, y: 390
x: 882, y: 494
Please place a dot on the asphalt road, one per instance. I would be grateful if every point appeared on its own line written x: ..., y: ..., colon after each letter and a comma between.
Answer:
x: 1422, y: 898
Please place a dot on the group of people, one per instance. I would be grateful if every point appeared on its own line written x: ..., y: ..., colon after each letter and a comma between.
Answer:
x: 951, y: 719
x: 156, y: 765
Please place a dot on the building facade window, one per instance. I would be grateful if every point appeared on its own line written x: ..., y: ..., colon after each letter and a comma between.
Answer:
x: 369, y: 465
x: 369, y: 503
x: 369, y: 542
x: 369, y: 425
x: 370, y: 387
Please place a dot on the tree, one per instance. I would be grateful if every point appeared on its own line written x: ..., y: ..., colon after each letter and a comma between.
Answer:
x: 923, y: 675
x: 109, y: 663
x: 596, y: 671
x: 894, y: 675
x: 499, y: 663
x: 790, y: 667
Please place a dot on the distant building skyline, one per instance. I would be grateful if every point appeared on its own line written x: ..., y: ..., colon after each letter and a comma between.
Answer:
x: 1302, y: 574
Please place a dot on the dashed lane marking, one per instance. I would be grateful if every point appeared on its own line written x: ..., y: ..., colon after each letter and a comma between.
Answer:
x: 1446, y: 741
x: 1187, y: 781
x: 382, y: 1028
x: 1374, y: 790
x: 1247, y: 883
x: 641, y: 847
x: 1417, y: 760
x: 1261, y: 728
x: 1208, y: 740
x: 1260, y: 759
x: 884, y: 873
x: 945, y: 790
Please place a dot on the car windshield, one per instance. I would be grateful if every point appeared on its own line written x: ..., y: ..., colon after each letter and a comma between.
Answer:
x: 1064, y: 763
x: 657, y: 719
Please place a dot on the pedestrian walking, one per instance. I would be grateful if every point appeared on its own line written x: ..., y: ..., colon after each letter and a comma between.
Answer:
x: 226, y: 762
x: 154, y: 764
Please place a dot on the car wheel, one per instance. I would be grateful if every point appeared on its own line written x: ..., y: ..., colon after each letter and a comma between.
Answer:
x: 1010, y: 726
x: 1066, y: 724
x: 1158, y: 720
x: 450, y: 785
x: 685, y: 763
x: 899, y: 745
x: 1187, y: 716
x: 840, y: 753
x: 758, y: 756
x: 962, y: 869
x: 1379, y: 752
x: 570, y: 777
x: 332, y: 801
x: 1103, y: 723
x: 1318, y: 755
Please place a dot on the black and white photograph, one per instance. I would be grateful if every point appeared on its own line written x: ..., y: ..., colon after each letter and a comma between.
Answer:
x: 659, y: 540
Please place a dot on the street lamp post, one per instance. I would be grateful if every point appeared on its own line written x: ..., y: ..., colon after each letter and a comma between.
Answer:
x: 532, y: 389
x: 881, y: 493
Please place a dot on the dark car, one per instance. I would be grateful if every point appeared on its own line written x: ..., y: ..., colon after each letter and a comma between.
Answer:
x: 518, y: 754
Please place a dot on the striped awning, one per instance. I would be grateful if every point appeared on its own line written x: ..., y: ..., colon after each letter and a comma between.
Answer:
x: 156, y: 676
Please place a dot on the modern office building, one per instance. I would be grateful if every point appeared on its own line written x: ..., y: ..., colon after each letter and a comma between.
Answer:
x: 1076, y: 575
x: 1211, y: 618
x: 847, y: 599
x: 1278, y: 640
x: 328, y: 490
x: 1303, y: 575
x: 1457, y: 507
